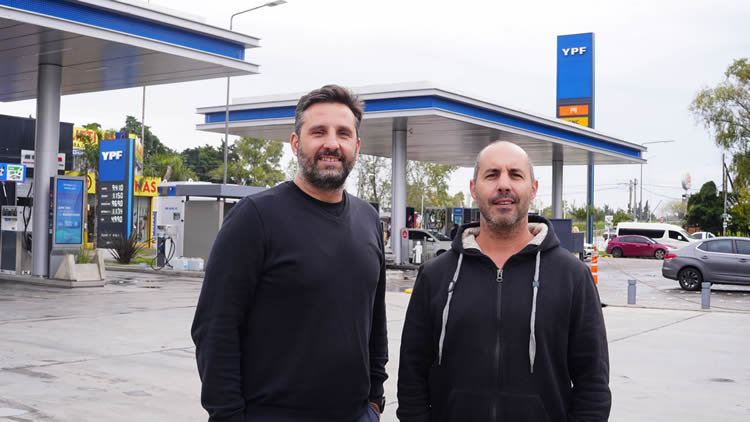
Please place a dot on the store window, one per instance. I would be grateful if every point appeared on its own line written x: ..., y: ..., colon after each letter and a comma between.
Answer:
x: 141, y: 216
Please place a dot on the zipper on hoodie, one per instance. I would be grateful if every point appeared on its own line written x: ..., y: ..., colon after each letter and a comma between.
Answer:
x: 499, y: 279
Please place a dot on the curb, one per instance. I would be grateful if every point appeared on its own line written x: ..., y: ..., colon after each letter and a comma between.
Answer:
x: 147, y: 270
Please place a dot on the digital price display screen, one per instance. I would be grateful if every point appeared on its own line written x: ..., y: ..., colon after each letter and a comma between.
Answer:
x: 69, y: 212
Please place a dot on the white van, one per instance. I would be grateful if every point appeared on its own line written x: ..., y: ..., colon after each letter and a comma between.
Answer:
x: 666, y: 234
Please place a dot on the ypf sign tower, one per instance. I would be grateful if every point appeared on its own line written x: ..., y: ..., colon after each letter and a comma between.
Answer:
x: 575, y: 78
x: 575, y: 100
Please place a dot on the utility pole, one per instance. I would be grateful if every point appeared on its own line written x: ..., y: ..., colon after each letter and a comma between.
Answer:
x: 636, y: 207
x: 630, y: 196
x: 724, y: 187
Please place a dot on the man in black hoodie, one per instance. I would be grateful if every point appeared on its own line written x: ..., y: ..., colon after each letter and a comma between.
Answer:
x: 290, y: 324
x: 507, y: 325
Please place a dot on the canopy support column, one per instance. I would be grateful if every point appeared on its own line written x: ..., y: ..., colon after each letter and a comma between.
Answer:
x: 557, y: 181
x: 398, y: 189
x: 46, y: 147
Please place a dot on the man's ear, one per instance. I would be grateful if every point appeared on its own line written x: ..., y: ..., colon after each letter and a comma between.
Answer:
x: 294, y: 143
x: 471, y: 189
x: 534, y: 188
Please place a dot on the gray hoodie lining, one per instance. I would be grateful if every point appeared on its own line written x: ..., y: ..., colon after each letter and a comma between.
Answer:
x: 468, y: 238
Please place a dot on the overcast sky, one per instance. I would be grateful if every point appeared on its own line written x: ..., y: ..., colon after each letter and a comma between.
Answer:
x: 651, y: 59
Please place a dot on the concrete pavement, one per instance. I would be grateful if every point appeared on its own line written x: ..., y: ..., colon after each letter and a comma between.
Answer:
x: 123, y: 352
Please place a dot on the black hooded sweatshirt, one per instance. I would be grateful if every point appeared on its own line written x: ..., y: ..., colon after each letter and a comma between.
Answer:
x: 488, y: 365
x: 290, y: 324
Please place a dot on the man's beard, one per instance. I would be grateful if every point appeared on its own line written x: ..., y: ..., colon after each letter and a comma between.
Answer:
x: 324, y: 179
x: 503, y: 222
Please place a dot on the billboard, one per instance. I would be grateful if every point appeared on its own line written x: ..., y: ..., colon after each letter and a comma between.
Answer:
x: 80, y: 136
x: 575, y: 78
x: 69, y: 211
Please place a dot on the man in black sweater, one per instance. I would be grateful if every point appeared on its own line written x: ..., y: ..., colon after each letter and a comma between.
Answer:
x: 507, y: 325
x: 290, y: 324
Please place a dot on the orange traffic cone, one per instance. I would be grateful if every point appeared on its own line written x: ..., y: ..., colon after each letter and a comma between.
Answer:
x: 595, y: 266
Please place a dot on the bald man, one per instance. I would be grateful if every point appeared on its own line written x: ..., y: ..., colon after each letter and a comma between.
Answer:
x: 507, y: 325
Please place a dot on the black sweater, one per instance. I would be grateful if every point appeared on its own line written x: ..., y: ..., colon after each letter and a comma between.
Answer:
x: 291, y: 323
x: 485, y: 373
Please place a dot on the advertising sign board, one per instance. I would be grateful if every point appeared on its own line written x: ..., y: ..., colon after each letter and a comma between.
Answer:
x: 575, y: 78
x: 114, y: 190
x: 69, y: 211
x: 12, y: 172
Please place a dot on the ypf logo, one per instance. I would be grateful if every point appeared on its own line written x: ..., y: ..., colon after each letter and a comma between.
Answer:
x: 111, y: 155
x: 573, y: 51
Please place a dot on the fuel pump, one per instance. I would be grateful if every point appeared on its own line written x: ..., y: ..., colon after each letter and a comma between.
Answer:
x: 15, y: 220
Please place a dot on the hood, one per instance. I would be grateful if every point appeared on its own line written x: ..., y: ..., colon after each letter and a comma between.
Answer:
x: 544, y: 237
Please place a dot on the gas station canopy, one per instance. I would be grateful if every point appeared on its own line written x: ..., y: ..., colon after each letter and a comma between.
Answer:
x: 442, y: 127
x: 105, y: 44
x: 50, y: 48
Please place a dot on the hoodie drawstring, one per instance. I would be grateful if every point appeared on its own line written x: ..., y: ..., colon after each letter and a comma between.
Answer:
x: 532, y: 336
x: 446, y: 309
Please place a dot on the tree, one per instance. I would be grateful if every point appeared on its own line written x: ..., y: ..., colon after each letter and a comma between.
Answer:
x: 151, y: 143
x: 740, y: 211
x: 621, y: 216
x: 201, y: 160
x: 675, y: 209
x: 291, y: 169
x: 373, y: 178
x: 704, y: 209
x: 168, y: 164
x: 90, y: 162
x: 428, y: 181
x: 725, y: 110
x: 258, y: 163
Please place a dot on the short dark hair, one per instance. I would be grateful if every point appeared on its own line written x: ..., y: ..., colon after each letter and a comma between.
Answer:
x: 328, y: 94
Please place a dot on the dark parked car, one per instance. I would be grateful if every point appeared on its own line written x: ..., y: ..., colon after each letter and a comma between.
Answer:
x: 634, y: 245
x: 719, y: 260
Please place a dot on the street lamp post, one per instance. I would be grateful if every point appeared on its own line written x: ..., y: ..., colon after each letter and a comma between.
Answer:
x: 273, y: 3
x: 640, y: 198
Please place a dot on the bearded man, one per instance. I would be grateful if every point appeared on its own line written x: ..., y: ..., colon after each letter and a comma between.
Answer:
x: 507, y: 325
x: 290, y: 323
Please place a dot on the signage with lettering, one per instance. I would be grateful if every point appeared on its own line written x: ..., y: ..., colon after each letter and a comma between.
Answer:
x: 575, y: 78
x: 114, y: 191
x: 81, y: 136
x: 12, y: 172
x: 69, y: 211
x: 146, y: 186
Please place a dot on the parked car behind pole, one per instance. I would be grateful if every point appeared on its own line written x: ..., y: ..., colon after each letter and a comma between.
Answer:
x: 636, y: 246
x: 720, y: 260
x: 433, y: 243
x: 702, y: 235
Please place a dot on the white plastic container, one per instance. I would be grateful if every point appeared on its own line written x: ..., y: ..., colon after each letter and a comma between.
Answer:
x: 179, y: 264
x: 195, y: 264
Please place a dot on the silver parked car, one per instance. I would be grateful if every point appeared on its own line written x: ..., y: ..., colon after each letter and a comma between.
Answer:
x: 719, y: 260
x: 433, y: 243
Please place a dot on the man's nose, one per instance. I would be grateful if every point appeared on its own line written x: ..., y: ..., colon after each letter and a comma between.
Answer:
x: 503, y: 182
x: 330, y: 141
